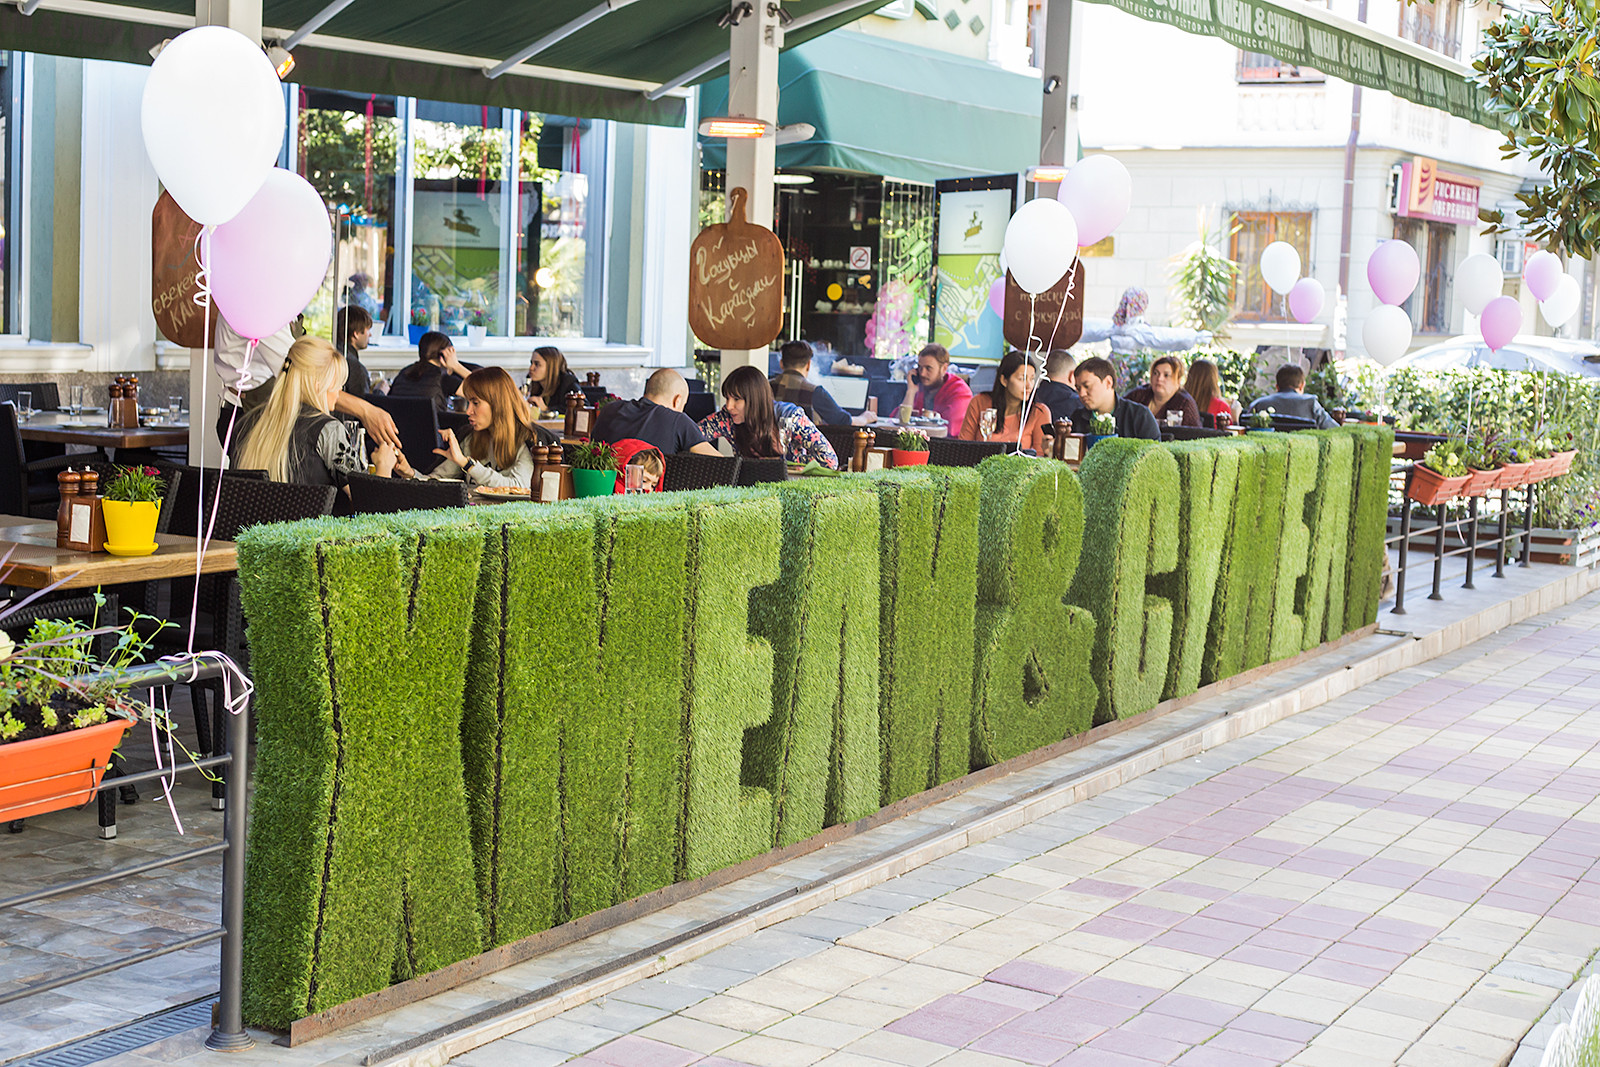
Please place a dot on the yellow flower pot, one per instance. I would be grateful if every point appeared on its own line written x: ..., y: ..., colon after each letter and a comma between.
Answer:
x: 130, y: 526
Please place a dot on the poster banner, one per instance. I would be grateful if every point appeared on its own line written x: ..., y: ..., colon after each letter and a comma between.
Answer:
x: 972, y: 215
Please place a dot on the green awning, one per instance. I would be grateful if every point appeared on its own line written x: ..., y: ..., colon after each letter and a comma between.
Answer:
x: 437, y: 49
x: 882, y: 107
x: 1308, y: 36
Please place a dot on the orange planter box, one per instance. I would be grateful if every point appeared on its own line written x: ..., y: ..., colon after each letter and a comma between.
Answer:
x: 1480, y: 482
x: 1428, y: 486
x: 55, y: 772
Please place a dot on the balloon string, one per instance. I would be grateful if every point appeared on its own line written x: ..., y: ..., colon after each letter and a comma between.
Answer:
x: 202, y: 299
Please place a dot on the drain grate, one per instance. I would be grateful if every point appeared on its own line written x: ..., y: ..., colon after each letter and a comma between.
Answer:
x: 134, y: 1035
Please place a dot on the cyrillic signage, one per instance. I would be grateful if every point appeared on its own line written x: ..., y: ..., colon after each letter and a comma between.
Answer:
x: 1430, y: 193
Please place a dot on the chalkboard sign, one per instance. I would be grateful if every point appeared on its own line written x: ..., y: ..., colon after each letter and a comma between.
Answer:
x: 172, y: 276
x: 1041, y: 323
x: 736, y: 282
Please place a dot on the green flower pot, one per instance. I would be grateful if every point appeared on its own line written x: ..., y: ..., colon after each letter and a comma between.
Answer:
x: 593, y: 483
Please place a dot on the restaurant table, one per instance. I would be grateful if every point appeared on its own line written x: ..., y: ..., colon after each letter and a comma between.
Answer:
x: 36, y: 562
x: 58, y: 427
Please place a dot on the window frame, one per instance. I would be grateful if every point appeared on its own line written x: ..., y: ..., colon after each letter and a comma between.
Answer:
x: 1249, y: 267
x: 1274, y: 72
x: 1448, y: 42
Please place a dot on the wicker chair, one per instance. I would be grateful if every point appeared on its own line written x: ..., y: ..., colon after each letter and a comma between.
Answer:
x: 46, y: 395
x: 1189, y: 433
x: 418, y: 422
x: 954, y: 452
x: 1291, y: 423
x: 373, y: 495
x: 27, y: 487
x: 691, y: 470
x: 756, y: 471
x: 843, y: 440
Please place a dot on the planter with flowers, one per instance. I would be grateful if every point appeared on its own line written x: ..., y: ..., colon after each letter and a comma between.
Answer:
x: 1441, y: 475
x: 61, y: 714
x: 910, y: 448
x: 132, y: 504
x: 420, y: 321
x: 478, y: 322
x: 594, y: 469
x: 1259, y: 421
x: 1101, y: 425
x: 1485, y: 461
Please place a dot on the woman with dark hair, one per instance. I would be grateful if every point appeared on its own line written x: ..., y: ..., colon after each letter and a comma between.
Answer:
x: 760, y: 427
x: 997, y: 414
x: 1165, y: 395
x: 1205, y: 385
x: 549, y: 380
x: 498, y: 450
x: 437, y: 374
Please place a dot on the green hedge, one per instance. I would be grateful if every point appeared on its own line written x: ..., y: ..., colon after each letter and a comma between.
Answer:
x: 476, y: 724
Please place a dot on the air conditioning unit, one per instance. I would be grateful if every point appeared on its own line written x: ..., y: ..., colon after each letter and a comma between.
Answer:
x: 1396, y: 189
x: 1508, y: 250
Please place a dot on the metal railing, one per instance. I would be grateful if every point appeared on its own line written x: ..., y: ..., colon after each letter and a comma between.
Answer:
x: 1473, y: 541
x: 227, y: 1032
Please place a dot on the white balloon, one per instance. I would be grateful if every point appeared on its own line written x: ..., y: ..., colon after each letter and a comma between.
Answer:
x: 1386, y: 333
x: 213, y: 121
x: 1563, y: 303
x: 1098, y: 191
x: 1041, y: 243
x: 1280, y: 266
x: 1478, y: 281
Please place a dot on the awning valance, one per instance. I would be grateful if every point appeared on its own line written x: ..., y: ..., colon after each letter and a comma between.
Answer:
x: 439, y: 50
x: 1308, y: 36
x: 882, y: 107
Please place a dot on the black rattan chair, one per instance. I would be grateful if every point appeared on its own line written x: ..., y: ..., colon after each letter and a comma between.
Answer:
x: 756, y: 471
x: 691, y: 470
x: 954, y: 452
x: 27, y: 488
x: 46, y: 395
x: 1291, y: 423
x: 1189, y: 433
x: 418, y: 422
x: 372, y: 495
x: 843, y: 440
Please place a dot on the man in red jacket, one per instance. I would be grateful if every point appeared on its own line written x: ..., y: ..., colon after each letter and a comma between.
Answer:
x: 933, y: 388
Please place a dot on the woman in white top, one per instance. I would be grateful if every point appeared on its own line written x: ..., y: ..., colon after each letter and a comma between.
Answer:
x: 497, y: 451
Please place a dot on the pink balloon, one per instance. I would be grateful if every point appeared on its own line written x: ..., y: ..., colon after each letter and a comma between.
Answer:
x: 1305, y: 299
x: 997, y: 297
x: 1543, y: 273
x: 269, y: 260
x: 1393, y: 271
x: 1500, y: 321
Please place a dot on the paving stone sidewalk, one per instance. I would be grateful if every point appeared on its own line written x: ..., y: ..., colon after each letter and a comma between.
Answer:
x: 1404, y: 875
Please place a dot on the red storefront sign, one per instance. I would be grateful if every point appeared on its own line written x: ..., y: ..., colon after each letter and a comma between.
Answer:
x: 1430, y: 193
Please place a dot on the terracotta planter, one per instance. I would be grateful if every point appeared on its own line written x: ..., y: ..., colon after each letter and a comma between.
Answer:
x: 1561, y: 463
x: 593, y: 483
x: 1430, y: 487
x: 130, y: 526
x: 1481, y: 483
x: 55, y: 772
x: 1513, y: 475
x: 903, y: 458
x: 1539, y: 469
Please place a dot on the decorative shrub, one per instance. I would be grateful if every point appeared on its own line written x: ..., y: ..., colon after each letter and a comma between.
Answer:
x: 1320, y: 597
x: 1241, y: 623
x: 1208, y: 474
x: 1294, y: 546
x: 1130, y: 536
x: 1031, y: 683
x: 928, y: 564
x: 1374, y: 454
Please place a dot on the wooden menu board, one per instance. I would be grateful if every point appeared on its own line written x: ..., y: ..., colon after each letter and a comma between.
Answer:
x: 736, y: 282
x: 1041, y: 324
x: 172, y: 277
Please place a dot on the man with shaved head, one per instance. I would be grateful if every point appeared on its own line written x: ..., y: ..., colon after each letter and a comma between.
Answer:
x: 656, y: 418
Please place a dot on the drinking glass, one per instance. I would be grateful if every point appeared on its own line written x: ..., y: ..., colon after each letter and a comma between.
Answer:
x: 25, y: 403
x: 75, y: 399
x: 986, y: 423
x: 633, y: 478
x: 174, y: 408
x: 1174, y: 418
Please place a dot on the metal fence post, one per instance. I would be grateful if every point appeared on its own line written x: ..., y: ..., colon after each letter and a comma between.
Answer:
x: 228, y: 1035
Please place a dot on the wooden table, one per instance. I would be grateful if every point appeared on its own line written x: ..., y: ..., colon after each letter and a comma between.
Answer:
x: 60, y: 428
x: 36, y: 561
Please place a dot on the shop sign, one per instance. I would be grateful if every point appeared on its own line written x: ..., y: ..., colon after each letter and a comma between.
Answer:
x: 1051, y: 320
x: 860, y: 257
x: 1431, y: 193
x: 736, y: 281
x: 174, y: 276
x: 1105, y: 247
x: 973, y: 222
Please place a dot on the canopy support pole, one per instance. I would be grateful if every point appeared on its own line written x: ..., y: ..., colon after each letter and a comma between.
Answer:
x: 754, y: 43
x: 316, y: 22
x: 559, y: 34
x: 1058, y: 118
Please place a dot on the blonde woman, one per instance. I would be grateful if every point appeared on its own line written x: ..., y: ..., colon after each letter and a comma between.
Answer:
x: 292, y: 436
x: 497, y: 451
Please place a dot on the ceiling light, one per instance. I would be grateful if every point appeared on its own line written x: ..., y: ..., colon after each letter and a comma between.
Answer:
x: 734, y: 127
x: 795, y: 132
x: 282, y: 60
x: 155, y: 49
x: 1045, y: 174
x: 792, y: 179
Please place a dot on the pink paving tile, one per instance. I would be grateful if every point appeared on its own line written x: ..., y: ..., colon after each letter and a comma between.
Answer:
x: 1325, y: 931
x: 1447, y: 889
x: 1194, y: 1009
x: 1195, y: 889
x: 1195, y: 943
x: 1035, y: 976
x: 1094, y: 887
x: 1235, y: 913
x: 1217, y: 929
x: 1056, y: 1025
x: 1365, y: 956
x: 1144, y: 913
x: 1289, y: 962
x: 1096, y: 1057
x: 1206, y: 1056
x: 1135, y: 835
x: 1188, y: 1031
x: 1352, y: 973
x: 1020, y: 1045
x: 1320, y: 868
x: 1068, y: 1015
x: 636, y: 1051
x: 1243, y: 1042
x: 951, y: 1020
x: 1024, y: 999
x: 709, y: 1061
x: 1262, y: 1022
x: 1323, y: 913
x: 1284, y: 941
x: 1111, y: 991
x: 1149, y: 1047
x: 1121, y: 929
x: 1272, y: 844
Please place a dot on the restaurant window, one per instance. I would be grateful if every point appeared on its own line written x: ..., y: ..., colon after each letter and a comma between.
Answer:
x: 1260, y: 67
x: 460, y: 156
x: 1435, y: 25
x: 553, y: 205
x: 10, y: 200
x: 1252, y: 232
x: 347, y: 146
x: 1429, y: 304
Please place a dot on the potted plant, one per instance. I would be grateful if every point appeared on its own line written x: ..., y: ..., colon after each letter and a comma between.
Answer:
x: 61, y: 715
x: 1484, y: 459
x: 1515, y: 465
x: 1441, y: 474
x: 1561, y: 455
x: 478, y: 322
x: 910, y: 448
x: 1260, y: 421
x: 132, y: 504
x: 594, y: 469
x: 1101, y: 425
x: 419, y: 324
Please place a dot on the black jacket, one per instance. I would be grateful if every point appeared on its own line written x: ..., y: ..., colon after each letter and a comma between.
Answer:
x: 1133, y: 420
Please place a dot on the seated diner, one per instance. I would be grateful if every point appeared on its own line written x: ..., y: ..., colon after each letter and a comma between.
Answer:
x: 437, y: 374
x: 549, y: 380
x: 631, y: 452
x: 1097, y: 388
x: 997, y: 415
x: 1165, y: 396
x: 498, y: 449
x: 1205, y: 385
x: 1292, y: 399
x: 656, y: 418
x: 759, y: 427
